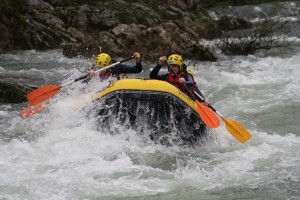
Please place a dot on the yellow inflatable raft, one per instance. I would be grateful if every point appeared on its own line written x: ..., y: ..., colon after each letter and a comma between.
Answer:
x: 151, y: 107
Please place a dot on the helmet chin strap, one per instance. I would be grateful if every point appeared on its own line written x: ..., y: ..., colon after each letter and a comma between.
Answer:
x: 181, y: 68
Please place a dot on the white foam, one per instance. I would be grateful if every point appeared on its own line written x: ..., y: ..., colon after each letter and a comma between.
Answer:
x: 60, y: 154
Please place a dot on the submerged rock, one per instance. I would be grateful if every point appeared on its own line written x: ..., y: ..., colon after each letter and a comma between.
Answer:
x: 13, y: 92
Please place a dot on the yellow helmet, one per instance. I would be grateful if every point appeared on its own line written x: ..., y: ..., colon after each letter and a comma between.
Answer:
x: 103, y: 60
x: 189, y: 71
x: 176, y: 59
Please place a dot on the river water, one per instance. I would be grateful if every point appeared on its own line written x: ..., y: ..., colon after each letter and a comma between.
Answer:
x: 60, y: 154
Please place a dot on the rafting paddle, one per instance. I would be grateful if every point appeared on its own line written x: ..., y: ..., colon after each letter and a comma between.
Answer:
x: 37, y: 97
x: 46, y: 92
x: 208, y: 117
x: 31, y: 110
x: 234, y: 128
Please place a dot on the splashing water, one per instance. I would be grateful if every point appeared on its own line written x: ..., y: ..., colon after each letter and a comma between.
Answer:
x: 61, y: 154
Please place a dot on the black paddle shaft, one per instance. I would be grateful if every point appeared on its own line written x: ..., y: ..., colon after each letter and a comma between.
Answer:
x: 114, y: 64
x: 210, y: 106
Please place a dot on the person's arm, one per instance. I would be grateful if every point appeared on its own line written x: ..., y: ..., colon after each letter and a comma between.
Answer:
x: 189, y: 80
x: 121, y: 68
x: 206, y: 102
x: 91, y: 74
x: 154, y: 74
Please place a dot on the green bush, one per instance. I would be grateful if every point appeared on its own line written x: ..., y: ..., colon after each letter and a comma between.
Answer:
x: 14, y: 10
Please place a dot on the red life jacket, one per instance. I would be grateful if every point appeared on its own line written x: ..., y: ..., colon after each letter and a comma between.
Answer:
x: 106, y: 74
x: 175, y: 81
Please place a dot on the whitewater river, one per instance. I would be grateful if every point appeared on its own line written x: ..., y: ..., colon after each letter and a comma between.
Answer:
x: 59, y: 154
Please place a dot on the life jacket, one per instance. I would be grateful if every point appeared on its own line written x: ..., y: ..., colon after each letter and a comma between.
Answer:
x: 104, y: 75
x: 175, y: 81
x: 107, y: 74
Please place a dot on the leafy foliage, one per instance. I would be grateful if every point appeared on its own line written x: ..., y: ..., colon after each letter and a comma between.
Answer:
x: 13, y: 10
x: 66, y: 3
x: 225, y: 3
x: 267, y: 33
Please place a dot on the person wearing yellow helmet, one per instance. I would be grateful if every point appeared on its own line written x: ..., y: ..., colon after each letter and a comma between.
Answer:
x: 175, y: 61
x: 195, y: 88
x: 188, y: 70
x: 104, y: 60
x: 185, y: 75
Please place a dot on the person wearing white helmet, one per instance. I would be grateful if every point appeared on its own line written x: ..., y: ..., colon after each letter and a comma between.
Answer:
x: 104, y: 60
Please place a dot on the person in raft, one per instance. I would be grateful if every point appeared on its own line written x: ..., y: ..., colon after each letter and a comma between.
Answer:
x: 195, y: 88
x: 175, y: 61
x: 118, y: 71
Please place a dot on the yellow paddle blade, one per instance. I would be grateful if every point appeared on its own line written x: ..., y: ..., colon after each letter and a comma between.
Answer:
x: 31, y: 110
x: 208, y: 117
x: 41, y: 94
x: 237, y: 130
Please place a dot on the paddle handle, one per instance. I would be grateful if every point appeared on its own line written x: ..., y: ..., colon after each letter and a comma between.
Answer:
x: 80, y: 78
x: 102, y: 69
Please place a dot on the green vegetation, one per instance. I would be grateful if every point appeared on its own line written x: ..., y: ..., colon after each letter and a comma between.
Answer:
x: 66, y: 3
x: 225, y: 3
x: 12, y: 93
x: 14, y: 10
x: 265, y: 34
x: 13, y: 7
x: 128, y: 42
x: 154, y: 3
